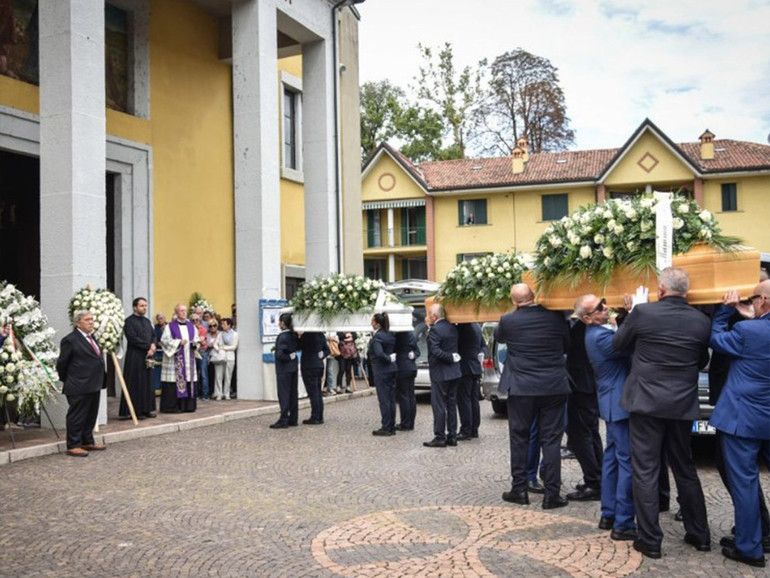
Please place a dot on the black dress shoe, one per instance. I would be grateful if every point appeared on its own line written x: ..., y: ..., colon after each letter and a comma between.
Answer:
x: 278, y: 425
x: 463, y: 437
x: 383, y: 433
x: 580, y: 487
x: 435, y: 443
x: 734, y: 554
x: 698, y: 545
x: 552, y: 503
x: 664, y: 506
x: 150, y: 415
x: 474, y: 434
x: 398, y: 427
x: 451, y: 442
x: 623, y: 534
x: 679, y: 516
x: 606, y: 523
x: 585, y: 495
x: 535, y: 487
x: 729, y: 542
x: 646, y: 550
x: 520, y: 498
x: 312, y: 421
x: 293, y: 424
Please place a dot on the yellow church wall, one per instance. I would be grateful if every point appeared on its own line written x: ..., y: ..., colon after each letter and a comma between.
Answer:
x: 399, y: 183
x: 191, y: 119
x: 292, y: 223
x: 19, y: 95
x: 749, y: 222
x: 669, y: 168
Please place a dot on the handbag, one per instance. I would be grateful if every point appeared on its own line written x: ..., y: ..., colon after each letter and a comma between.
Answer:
x: 334, y: 348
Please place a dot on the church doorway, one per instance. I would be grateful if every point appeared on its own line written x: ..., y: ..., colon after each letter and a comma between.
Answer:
x: 20, y: 222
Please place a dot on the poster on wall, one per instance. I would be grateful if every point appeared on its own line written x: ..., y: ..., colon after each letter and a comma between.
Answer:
x: 269, y: 313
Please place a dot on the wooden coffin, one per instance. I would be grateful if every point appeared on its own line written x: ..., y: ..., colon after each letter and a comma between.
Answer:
x: 712, y: 273
x: 466, y: 312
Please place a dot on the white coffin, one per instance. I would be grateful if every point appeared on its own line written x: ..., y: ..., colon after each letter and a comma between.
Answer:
x: 400, y: 320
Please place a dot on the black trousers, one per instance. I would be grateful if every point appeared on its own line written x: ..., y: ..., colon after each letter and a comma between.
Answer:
x: 584, y: 439
x: 650, y: 436
x: 386, y: 395
x: 468, y: 397
x: 312, y: 378
x: 407, y: 402
x: 720, y: 460
x: 443, y: 401
x: 81, y: 419
x: 288, y: 399
x: 346, y: 369
x: 548, y: 411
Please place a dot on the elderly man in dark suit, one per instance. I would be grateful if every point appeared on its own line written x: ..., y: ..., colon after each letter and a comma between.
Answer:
x: 81, y: 369
x: 742, y: 416
x: 535, y: 379
x: 472, y: 349
x: 670, y: 342
x: 445, y: 373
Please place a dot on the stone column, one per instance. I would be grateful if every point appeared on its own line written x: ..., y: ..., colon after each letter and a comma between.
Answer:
x: 72, y: 156
x: 321, y: 218
x: 391, y: 230
x: 257, y: 183
x: 391, y: 267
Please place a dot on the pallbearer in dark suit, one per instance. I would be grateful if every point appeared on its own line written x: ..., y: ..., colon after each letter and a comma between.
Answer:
x: 742, y: 416
x: 535, y: 379
x: 445, y: 374
x: 140, y: 338
x: 472, y: 349
x: 314, y: 350
x: 286, y: 367
x: 670, y: 343
x: 407, y: 353
x: 81, y: 369
x: 382, y: 356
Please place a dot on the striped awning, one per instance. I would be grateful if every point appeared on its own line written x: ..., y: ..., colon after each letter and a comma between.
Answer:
x: 374, y: 205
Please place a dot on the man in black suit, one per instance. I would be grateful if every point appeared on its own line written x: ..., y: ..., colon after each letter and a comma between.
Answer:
x: 314, y: 350
x: 472, y: 348
x: 535, y: 379
x: 445, y: 374
x: 583, y: 416
x: 286, y: 346
x: 670, y: 343
x: 81, y: 369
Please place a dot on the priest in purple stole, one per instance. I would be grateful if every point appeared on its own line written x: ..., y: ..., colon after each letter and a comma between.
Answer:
x: 178, y: 373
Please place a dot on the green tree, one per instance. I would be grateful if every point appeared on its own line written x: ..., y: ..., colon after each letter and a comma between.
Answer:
x: 453, y: 94
x: 523, y: 98
x: 387, y: 114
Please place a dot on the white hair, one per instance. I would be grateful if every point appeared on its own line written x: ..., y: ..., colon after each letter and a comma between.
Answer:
x: 78, y: 315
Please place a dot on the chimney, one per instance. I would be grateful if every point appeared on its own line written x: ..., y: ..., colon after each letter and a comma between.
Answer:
x: 707, y: 145
x: 523, y: 144
x: 518, y: 160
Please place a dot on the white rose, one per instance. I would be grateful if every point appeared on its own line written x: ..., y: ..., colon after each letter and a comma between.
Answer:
x: 3, y: 390
x: 705, y: 233
x: 11, y: 397
x: 479, y: 275
x: 335, y: 289
x: 607, y: 214
x: 489, y: 270
x: 631, y: 246
x: 9, y: 379
x: 705, y: 216
x: 611, y: 224
x: 10, y: 367
x: 2, y: 370
x: 329, y: 303
x: 506, y: 265
x: 547, y: 261
x: 647, y: 203
x: 554, y: 240
x: 500, y: 270
x: 585, y: 252
x: 607, y: 252
x: 598, y: 238
x: 4, y: 356
x: 491, y: 275
x: 618, y: 229
x: 645, y: 226
x: 507, y: 275
x: 631, y: 213
x: 677, y: 223
x: 683, y: 209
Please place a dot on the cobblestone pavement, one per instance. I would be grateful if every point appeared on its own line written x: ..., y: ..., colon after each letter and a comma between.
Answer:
x: 239, y: 499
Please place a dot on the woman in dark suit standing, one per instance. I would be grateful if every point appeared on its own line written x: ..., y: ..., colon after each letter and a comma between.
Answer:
x: 286, y: 346
x: 383, y: 360
x: 407, y: 353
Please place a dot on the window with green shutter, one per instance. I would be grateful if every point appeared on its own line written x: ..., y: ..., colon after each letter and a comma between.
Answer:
x: 472, y: 212
x: 729, y: 197
x: 555, y: 207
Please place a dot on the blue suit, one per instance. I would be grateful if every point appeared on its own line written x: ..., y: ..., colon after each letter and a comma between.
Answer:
x: 445, y: 374
x: 611, y: 368
x: 742, y: 414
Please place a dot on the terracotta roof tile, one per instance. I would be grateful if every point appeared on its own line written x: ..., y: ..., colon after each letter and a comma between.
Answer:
x: 570, y: 166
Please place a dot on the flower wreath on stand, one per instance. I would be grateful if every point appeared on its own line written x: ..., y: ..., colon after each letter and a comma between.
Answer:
x: 336, y: 295
x: 12, y: 366
x: 198, y: 300
x: 596, y: 239
x: 485, y: 281
x: 36, y: 375
x: 108, y: 313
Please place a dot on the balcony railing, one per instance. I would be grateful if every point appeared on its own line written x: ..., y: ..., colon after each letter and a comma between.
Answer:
x: 401, y: 236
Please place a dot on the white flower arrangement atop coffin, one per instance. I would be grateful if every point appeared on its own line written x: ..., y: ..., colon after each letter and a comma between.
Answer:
x: 345, y: 303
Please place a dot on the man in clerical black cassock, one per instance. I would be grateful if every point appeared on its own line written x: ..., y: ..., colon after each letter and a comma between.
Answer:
x: 136, y: 371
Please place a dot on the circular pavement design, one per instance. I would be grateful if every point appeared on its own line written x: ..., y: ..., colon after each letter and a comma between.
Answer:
x: 471, y: 541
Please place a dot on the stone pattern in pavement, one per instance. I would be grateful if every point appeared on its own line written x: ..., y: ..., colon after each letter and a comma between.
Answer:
x: 239, y: 499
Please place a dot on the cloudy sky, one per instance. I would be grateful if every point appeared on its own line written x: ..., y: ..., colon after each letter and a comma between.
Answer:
x: 688, y: 65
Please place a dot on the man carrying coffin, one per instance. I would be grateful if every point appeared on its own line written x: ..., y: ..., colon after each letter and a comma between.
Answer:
x: 178, y: 372
x: 140, y: 337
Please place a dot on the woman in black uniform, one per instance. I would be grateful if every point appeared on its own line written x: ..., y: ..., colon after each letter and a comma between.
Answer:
x: 382, y: 357
x: 286, y: 346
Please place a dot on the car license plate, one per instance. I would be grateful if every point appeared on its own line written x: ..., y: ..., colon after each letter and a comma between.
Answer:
x: 701, y: 426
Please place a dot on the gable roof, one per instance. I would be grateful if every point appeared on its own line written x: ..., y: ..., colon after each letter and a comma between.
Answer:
x: 587, y: 166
